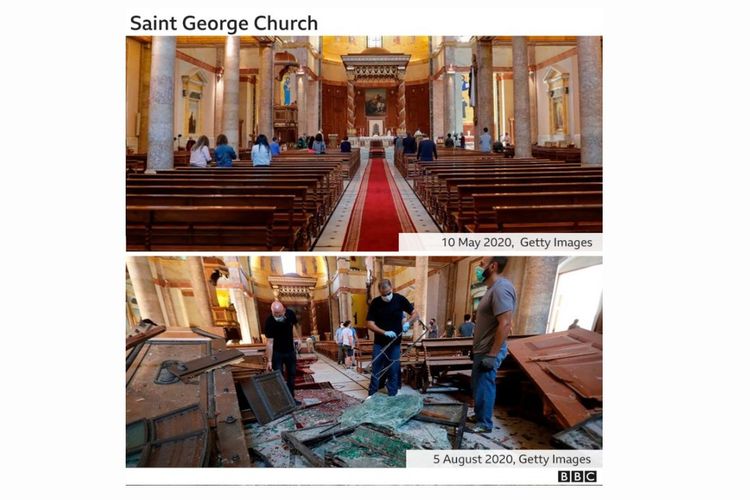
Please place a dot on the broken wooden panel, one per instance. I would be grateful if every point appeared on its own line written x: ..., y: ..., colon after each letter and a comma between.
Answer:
x: 147, y: 399
x: 268, y: 395
x: 452, y: 415
x: 562, y: 402
x: 583, y: 374
x: 229, y: 433
x: 190, y: 369
x: 588, y: 435
x: 182, y: 421
x: 189, y: 450
x: 137, y: 434
x: 143, y: 332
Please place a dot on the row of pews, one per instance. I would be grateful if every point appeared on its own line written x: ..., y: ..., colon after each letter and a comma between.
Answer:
x: 281, y: 207
x: 468, y: 192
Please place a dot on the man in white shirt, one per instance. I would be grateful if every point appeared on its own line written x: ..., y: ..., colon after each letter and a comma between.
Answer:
x: 347, y: 342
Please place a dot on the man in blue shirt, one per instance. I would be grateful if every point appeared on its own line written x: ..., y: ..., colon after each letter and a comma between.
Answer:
x: 346, y: 146
x: 275, y: 148
x: 485, y: 141
x: 427, y: 150
x: 467, y: 329
x: 410, y: 144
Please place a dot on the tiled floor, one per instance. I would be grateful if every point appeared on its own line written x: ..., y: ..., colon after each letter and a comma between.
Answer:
x: 332, y: 237
x: 512, y: 433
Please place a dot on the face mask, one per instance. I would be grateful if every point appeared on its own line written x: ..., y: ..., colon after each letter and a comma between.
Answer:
x: 388, y: 297
x: 279, y: 319
x: 481, y: 273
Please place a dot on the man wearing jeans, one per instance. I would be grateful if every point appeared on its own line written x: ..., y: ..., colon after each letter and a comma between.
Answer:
x: 493, y: 326
x: 280, y: 347
x: 385, y: 319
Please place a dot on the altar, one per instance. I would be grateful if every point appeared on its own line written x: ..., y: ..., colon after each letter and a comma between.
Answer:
x: 364, y: 141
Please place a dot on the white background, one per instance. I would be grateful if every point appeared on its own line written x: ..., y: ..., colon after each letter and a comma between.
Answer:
x: 676, y: 116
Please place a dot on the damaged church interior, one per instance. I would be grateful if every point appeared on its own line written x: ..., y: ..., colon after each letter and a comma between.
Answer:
x: 202, y: 391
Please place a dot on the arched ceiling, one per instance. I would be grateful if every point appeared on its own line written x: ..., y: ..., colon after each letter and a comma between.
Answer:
x: 333, y: 47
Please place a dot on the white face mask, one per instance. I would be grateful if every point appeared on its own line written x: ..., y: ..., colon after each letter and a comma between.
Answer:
x: 279, y: 319
x: 388, y: 297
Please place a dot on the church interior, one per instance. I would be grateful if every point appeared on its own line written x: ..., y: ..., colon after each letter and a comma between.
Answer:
x: 401, y: 120
x: 199, y: 391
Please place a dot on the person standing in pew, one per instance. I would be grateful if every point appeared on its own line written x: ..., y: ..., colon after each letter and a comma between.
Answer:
x: 261, y: 153
x: 427, y: 150
x: 449, y: 142
x: 199, y: 153
x: 346, y: 146
x: 189, y: 144
x: 310, y: 141
x: 275, y: 147
x: 462, y: 141
x: 494, y: 325
x: 485, y: 141
x: 409, y: 144
x: 318, y: 145
x: 280, y: 352
x: 467, y: 328
x: 224, y: 152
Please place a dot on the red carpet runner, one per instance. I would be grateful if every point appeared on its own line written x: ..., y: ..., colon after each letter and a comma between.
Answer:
x: 379, y: 213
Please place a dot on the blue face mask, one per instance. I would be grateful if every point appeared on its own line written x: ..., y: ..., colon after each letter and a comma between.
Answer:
x: 279, y: 319
x: 388, y: 297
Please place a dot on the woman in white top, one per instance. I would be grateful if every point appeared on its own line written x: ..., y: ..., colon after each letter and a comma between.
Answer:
x: 199, y: 154
x: 261, y: 152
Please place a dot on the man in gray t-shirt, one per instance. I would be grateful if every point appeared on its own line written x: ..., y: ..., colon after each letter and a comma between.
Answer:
x: 493, y: 326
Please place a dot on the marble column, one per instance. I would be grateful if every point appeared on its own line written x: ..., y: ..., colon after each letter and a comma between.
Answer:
x: 420, y: 286
x: 484, y: 99
x: 161, y: 104
x: 265, y: 90
x: 143, y: 92
x: 301, y: 103
x: 200, y: 291
x: 402, y: 105
x: 590, y: 81
x: 145, y: 289
x: 449, y: 100
x: 218, y: 96
x: 231, y: 115
x: 536, y: 295
x: 521, y: 111
x: 313, y: 316
x: 533, y: 108
x: 350, y: 108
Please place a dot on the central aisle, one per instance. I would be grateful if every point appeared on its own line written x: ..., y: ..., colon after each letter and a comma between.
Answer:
x: 379, y: 213
x: 378, y: 204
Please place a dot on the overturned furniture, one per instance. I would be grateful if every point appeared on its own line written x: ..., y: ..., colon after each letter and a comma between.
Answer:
x: 158, y: 391
x: 442, y: 358
x: 566, y: 367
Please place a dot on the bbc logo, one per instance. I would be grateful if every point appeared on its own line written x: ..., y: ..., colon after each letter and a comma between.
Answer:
x: 576, y: 476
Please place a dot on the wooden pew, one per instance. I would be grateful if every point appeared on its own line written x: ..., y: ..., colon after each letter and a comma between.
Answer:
x: 546, y: 219
x: 291, y: 225
x: 176, y: 228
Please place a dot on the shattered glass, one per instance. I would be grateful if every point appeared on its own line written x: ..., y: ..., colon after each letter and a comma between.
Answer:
x: 388, y: 411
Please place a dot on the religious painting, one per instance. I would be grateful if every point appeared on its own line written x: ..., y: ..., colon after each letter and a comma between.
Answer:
x: 375, y: 102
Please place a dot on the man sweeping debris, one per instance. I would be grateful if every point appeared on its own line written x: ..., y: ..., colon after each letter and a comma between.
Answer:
x: 385, y: 319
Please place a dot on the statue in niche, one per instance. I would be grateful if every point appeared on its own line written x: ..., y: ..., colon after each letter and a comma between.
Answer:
x: 191, y: 124
x: 287, y: 91
x: 558, y: 114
